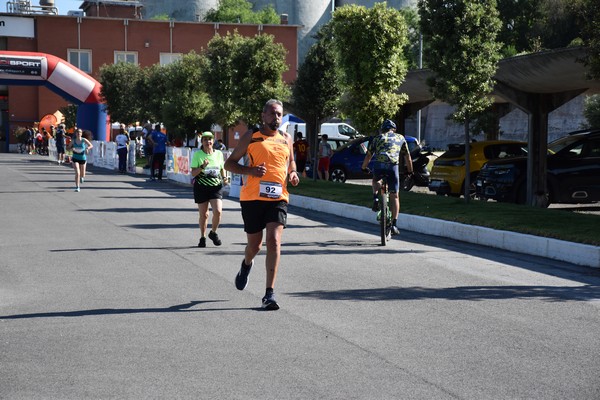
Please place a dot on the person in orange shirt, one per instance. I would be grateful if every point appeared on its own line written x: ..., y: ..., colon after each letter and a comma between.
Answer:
x: 301, y: 153
x: 264, y: 196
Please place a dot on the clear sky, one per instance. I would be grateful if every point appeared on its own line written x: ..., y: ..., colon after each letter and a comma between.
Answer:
x: 64, y: 6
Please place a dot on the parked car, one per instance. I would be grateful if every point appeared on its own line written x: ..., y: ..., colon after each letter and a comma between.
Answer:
x: 573, y: 173
x: 347, y: 160
x: 448, y: 171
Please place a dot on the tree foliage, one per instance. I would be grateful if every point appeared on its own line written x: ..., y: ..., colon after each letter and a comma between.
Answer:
x: 591, y: 111
x: 70, y: 115
x: 412, y: 46
x: 241, y: 11
x: 463, y: 48
x: 119, y: 91
x: 370, y: 43
x: 534, y: 25
x: 185, y: 100
x: 464, y: 53
x: 589, y: 17
x: 316, y: 91
x: 242, y: 74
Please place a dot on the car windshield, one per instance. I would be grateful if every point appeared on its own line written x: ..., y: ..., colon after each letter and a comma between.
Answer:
x: 561, y: 143
x: 347, y: 130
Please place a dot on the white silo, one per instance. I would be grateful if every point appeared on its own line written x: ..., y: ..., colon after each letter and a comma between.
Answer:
x: 180, y: 10
x: 309, y: 14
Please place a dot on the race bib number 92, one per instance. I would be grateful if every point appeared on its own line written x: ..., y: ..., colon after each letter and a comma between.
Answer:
x: 270, y: 190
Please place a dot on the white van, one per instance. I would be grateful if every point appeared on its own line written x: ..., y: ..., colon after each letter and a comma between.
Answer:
x: 338, y: 130
x: 333, y: 130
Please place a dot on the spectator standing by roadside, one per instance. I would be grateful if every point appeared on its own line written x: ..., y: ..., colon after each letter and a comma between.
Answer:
x: 324, y: 155
x: 159, y: 143
x: 80, y: 147
x: 148, y: 149
x: 60, y: 143
x: 39, y: 142
x: 47, y: 136
x: 301, y: 153
x: 264, y: 197
x: 219, y: 145
x: 30, y: 140
x: 122, y: 141
x: 209, y: 177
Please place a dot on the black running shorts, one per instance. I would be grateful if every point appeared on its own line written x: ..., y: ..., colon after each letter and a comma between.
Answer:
x: 258, y: 213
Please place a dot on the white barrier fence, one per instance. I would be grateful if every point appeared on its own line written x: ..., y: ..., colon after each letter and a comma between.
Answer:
x: 178, y: 161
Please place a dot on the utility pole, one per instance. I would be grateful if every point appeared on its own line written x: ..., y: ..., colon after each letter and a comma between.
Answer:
x: 420, y: 67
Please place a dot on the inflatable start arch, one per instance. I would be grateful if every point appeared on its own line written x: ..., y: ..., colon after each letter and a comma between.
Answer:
x: 40, y: 69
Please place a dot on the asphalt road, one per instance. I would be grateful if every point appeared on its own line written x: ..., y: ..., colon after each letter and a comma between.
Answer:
x: 104, y: 295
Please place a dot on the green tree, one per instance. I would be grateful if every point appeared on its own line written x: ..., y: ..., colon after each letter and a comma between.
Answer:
x: 185, y: 101
x: 589, y: 17
x: 518, y: 20
x: 370, y: 44
x: 462, y: 42
x: 533, y: 25
x: 316, y: 91
x: 591, y: 111
x: 119, y: 91
x: 149, y: 89
x: 160, y: 17
x: 70, y: 114
x: 412, y: 48
x: 240, y: 11
x: 242, y: 74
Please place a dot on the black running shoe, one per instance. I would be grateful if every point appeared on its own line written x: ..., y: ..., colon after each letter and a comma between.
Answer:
x: 375, y: 205
x: 202, y: 242
x: 241, y: 279
x: 269, y: 303
x: 215, y: 238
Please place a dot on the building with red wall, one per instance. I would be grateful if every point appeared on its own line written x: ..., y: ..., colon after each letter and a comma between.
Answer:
x: 90, y: 41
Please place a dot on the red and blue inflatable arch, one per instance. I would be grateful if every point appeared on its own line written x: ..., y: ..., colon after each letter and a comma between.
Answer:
x: 40, y: 69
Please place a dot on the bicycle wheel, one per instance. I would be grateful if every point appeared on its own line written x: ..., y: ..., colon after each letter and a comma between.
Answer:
x: 383, y: 220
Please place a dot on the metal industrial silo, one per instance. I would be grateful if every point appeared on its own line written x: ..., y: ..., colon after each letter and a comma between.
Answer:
x: 180, y: 10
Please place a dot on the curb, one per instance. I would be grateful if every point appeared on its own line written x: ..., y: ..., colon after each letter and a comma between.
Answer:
x: 576, y: 253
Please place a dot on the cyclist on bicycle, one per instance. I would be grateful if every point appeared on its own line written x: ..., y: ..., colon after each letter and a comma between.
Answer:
x: 387, y: 148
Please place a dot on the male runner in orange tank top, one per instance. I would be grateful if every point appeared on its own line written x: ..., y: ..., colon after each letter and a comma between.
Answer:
x: 269, y: 165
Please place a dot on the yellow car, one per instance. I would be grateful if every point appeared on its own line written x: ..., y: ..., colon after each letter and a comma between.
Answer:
x: 448, y: 172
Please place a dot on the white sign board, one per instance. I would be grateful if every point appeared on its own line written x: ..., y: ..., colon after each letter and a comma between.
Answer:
x: 17, y: 27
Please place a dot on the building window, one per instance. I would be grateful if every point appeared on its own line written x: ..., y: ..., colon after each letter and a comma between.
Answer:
x: 126, y: 57
x: 82, y: 59
x: 168, y: 58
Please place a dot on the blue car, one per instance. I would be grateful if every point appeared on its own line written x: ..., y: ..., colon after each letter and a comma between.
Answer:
x: 347, y: 160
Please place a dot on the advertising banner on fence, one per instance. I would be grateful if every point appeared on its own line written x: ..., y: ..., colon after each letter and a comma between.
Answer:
x: 178, y: 164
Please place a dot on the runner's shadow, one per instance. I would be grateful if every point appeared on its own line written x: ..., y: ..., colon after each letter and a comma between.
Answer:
x: 119, y: 311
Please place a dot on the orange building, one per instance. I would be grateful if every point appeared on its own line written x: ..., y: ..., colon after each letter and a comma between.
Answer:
x: 114, y: 34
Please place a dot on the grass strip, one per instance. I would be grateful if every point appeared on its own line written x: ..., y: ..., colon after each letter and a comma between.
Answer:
x: 552, y: 223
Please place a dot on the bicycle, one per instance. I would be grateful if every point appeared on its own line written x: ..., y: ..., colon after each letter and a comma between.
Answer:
x: 384, y: 215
